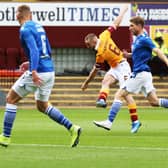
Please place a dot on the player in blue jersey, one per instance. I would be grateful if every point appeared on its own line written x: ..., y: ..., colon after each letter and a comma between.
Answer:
x: 39, y: 78
x: 141, y: 78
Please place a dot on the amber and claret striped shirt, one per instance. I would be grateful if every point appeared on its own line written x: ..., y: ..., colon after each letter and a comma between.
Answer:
x: 108, y: 50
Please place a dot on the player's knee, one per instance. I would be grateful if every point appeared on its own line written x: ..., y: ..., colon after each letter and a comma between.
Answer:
x: 154, y: 103
x: 40, y: 108
x: 118, y: 96
x: 105, y: 82
x: 9, y: 100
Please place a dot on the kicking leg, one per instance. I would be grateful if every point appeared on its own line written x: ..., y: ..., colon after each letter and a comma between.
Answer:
x: 155, y: 101
x: 104, y: 92
x: 117, y: 103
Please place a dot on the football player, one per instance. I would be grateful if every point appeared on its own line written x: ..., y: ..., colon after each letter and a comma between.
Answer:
x: 141, y: 77
x: 39, y: 78
x: 119, y: 70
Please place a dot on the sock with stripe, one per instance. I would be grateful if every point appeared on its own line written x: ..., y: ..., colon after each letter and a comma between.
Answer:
x: 57, y: 116
x: 133, y: 112
x: 114, y: 109
x: 163, y: 102
x: 9, y: 118
x: 103, y: 94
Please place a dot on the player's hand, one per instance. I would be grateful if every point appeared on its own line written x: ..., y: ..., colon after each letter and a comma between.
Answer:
x: 125, y: 8
x: 167, y: 63
x: 125, y: 54
x: 24, y: 66
x: 84, y: 86
x: 36, y: 79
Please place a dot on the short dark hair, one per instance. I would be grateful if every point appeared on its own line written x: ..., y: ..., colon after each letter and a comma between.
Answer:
x: 138, y: 20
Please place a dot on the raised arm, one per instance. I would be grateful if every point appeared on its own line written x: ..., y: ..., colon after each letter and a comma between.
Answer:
x: 119, y: 18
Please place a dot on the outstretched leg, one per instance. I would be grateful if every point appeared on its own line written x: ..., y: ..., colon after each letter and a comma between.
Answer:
x: 155, y: 101
x: 133, y: 113
x: 104, y: 91
x: 58, y: 117
x: 9, y: 117
x: 116, y: 105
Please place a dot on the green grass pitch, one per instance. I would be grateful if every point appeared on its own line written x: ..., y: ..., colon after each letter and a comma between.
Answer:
x: 38, y: 142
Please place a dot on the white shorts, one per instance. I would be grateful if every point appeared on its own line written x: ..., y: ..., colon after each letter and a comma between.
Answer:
x: 121, y: 72
x: 141, y: 82
x: 24, y: 85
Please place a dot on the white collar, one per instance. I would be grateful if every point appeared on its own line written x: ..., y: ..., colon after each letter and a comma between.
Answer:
x: 97, y: 44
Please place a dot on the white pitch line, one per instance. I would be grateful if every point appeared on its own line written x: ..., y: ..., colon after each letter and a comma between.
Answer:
x: 97, y: 147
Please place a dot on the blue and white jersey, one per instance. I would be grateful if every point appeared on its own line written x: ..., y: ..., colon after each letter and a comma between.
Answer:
x: 36, y: 46
x: 142, y: 52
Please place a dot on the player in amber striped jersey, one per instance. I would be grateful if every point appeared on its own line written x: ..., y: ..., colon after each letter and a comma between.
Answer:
x: 107, y: 49
x: 119, y: 70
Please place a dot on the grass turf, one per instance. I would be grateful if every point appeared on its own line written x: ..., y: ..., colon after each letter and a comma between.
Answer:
x: 38, y: 142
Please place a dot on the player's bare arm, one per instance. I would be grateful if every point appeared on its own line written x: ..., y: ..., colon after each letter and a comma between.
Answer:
x: 119, y: 18
x: 127, y: 54
x: 161, y: 55
x: 36, y: 79
x: 89, y: 78
x: 24, y: 66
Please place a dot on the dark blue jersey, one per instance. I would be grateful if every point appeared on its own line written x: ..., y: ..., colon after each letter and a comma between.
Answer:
x: 142, y: 52
x: 36, y: 46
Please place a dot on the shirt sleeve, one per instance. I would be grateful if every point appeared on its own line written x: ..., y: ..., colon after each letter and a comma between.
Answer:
x: 48, y: 47
x: 32, y: 48
x: 99, y: 59
x: 148, y: 43
x: 107, y: 32
x: 111, y: 29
